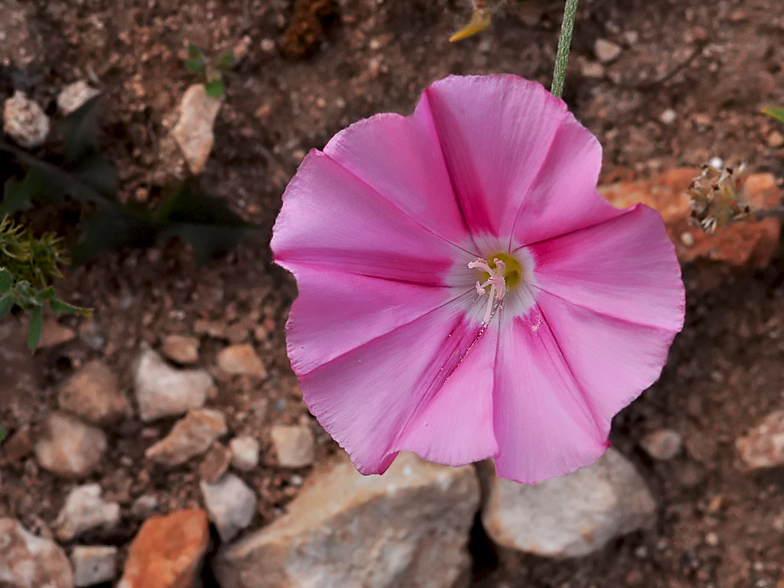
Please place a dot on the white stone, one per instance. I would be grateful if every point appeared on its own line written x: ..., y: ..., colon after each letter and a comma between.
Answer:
x: 189, y: 437
x: 663, y: 444
x: 181, y: 349
x: 230, y: 503
x: 244, y: 453
x: 144, y: 506
x: 24, y: 121
x: 84, y: 510
x: 668, y: 117
x: 570, y: 516
x: 763, y: 446
x: 69, y: 448
x: 163, y: 391
x: 73, y: 96
x: 606, y: 51
x: 592, y: 70
x: 93, y: 565
x: 193, y: 132
x: 241, y: 359
x: 27, y: 561
x: 408, y: 527
x: 294, y: 445
x: 93, y: 394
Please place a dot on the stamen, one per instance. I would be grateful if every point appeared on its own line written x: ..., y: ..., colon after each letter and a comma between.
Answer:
x: 481, y: 264
x: 496, y: 282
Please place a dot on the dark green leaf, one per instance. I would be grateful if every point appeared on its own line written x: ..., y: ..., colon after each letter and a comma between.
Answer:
x: 194, y: 52
x: 196, y: 65
x: 99, y: 175
x: 207, y: 241
x: 6, y: 304
x: 47, y: 293
x: 776, y: 112
x: 114, y: 226
x: 190, y: 204
x: 36, y: 324
x: 206, y: 223
x: 18, y: 195
x: 215, y: 88
x: 80, y: 129
x: 59, y: 306
x: 227, y: 61
x: 6, y: 280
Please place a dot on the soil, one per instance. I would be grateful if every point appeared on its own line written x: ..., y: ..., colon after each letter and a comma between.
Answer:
x: 304, y: 70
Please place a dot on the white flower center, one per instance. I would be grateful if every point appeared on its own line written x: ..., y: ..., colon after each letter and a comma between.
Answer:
x: 494, y: 283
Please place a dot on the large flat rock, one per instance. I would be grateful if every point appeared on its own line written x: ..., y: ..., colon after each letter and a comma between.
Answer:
x: 407, y: 528
x: 570, y: 516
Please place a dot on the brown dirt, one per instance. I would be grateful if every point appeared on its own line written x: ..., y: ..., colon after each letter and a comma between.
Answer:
x: 715, y: 63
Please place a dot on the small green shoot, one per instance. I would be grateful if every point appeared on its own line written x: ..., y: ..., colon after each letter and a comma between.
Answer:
x: 214, y: 73
x: 196, y: 62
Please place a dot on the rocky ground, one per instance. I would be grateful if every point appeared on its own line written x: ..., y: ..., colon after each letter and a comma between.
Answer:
x: 164, y: 441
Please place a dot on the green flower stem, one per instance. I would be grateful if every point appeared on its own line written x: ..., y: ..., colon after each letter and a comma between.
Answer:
x: 564, y: 44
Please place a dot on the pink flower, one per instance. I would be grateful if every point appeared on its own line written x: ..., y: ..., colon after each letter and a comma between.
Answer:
x: 464, y: 292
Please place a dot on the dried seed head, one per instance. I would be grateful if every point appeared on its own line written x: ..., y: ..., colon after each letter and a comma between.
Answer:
x: 717, y: 197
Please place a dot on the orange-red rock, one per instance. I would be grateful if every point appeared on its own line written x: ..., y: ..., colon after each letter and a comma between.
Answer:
x: 168, y: 551
x: 739, y: 244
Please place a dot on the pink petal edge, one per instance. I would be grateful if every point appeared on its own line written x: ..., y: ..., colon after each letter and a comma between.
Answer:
x: 366, y: 397
x: 542, y: 422
x: 495, y: 132
x: 332, y: 219
x: 624, y: 268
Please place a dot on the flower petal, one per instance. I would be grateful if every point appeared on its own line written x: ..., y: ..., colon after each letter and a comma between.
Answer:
x: 330, y: 218
x: 400, y: 157
x: 563, y: 198
x: 495, y: 132
x: 336, y: 312
x: 366, y: 397
x: 456, y: 426
x: 543, y: 424
x: 611, y: 360
x: 624, y: 268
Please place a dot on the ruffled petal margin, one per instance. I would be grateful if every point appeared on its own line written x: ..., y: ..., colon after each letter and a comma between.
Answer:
x: 401, y: 159
x: 336, y: 312
x: 456, y: 426
x: 609, y: 302
x: 494, y: 132
x: 624, y: 268
x: 543, y: 424
x: 332, y: 219
x: 563, y: 197
x: 375, y: 400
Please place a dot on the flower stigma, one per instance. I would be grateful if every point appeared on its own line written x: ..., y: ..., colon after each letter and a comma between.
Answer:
x: 498, y: 273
